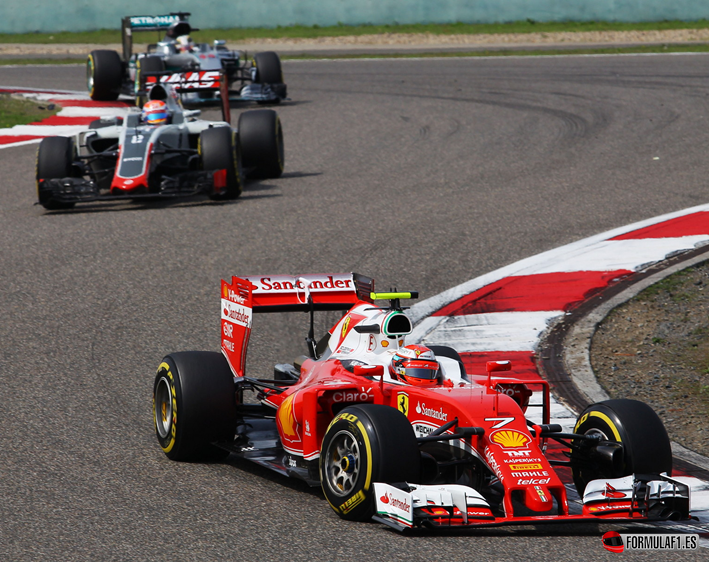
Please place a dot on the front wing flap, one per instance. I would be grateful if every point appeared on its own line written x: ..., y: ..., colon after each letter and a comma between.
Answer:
x: 635, y: 498
x: 81, y: 190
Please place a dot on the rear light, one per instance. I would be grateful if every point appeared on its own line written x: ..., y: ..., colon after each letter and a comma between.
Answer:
x: 219, y: 177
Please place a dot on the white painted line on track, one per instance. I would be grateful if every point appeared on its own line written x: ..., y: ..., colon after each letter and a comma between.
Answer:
x: 535, y: 263
x: 498, y: 331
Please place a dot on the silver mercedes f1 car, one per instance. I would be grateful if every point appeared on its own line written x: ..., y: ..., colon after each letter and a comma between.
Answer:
x: 175, y: 58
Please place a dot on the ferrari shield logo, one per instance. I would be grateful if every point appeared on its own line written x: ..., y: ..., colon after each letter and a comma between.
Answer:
x: 402, y: 403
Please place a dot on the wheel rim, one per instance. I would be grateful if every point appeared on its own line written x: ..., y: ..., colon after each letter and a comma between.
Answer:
x: 596, y: 431
x: 163, y: 408
x: 343, y: 464
x: 90, y: 75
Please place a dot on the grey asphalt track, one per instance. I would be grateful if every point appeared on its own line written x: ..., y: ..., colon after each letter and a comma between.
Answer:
x: 420, y: 173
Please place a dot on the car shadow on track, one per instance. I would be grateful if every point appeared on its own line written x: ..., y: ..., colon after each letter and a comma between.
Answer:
x: 123, y: 206
x: 291, y: 175
x: 267, y: 474
x: 249, y: 193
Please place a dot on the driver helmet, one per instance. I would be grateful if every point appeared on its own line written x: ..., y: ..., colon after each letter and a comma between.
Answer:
x: 155, y: 113
x: 415, y: 364
x: 185, y: 44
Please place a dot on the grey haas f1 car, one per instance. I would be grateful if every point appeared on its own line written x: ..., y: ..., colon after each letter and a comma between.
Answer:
x: 133, y: 159
x: 177, y: 60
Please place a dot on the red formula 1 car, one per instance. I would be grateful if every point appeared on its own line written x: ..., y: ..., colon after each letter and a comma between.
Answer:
x: 400, y: 433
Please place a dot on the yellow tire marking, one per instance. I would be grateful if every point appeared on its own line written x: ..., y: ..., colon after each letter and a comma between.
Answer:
x: 365, y: 437
x: 173, y: 429
x: 606, y: 419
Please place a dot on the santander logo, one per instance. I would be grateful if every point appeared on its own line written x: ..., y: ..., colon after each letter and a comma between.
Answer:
x: 431, y: 413
x: 396, y: 503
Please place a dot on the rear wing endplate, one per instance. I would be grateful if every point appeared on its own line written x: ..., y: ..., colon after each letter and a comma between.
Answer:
x: 281, y: 293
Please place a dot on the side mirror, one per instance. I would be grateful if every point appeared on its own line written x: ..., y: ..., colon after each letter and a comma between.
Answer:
x: 369, y: 370
x: 493, y: 366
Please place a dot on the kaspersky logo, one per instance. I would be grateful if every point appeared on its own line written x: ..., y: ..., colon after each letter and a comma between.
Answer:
x: 509, y: 439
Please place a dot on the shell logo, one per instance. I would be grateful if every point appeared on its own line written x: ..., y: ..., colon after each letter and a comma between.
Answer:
x: 509, y: 439
x: 286, y: 417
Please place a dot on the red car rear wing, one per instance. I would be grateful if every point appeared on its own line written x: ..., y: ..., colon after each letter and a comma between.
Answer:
x: 282, y: 293
x: 286, y: 293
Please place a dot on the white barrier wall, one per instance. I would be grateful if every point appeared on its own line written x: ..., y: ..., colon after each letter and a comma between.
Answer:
x: 18, y: 16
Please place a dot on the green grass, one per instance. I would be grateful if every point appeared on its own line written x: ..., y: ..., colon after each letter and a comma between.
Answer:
x: 20, y: 111
x: 20, y: 61
x: 672, y: 285
x: 309, y: 32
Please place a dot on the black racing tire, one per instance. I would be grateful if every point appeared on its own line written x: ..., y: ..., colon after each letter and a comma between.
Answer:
x: 55, y: 160
x: 635, y: 425
x: 268, y: 68
x: 194, y: 405
x: 147, y: 65
x: 261, y: 139
x: 104, y: 75
x: 364, y: 444
x: 218, y: 150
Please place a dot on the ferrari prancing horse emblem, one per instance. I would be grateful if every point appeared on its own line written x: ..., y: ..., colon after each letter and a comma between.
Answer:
x: 402, y: 402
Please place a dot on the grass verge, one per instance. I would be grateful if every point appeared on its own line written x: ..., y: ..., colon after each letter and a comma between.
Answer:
x: 29, y: 60
x: 310, y: 32
x: 21, y: 111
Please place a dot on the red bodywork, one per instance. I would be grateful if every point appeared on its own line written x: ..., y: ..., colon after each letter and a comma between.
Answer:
x: 512, y: 450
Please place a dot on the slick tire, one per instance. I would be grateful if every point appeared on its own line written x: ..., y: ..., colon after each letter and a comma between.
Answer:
x: 634, y: 424
x: 219, y: 150
x: 268, y: 68
x: 365, y: 444
x: 261, y: 139
x: 55, y: 159
x: 194, y: 405
x: 104, y: 75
